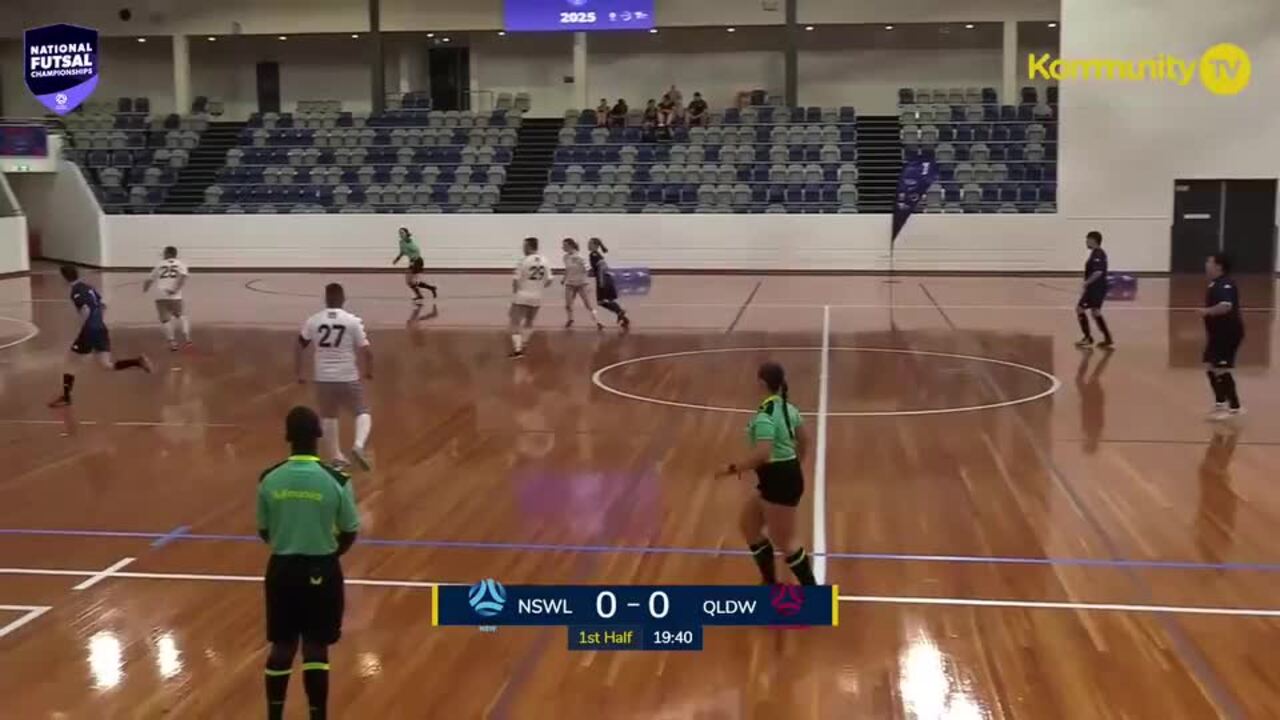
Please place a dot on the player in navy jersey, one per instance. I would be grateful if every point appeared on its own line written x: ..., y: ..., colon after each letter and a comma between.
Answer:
x: 1224, y: 331
x: 93, y: 339
x: 1094, y: 293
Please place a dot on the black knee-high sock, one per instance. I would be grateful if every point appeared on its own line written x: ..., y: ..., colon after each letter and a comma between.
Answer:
x: 613, y: 307
x: 68, y: 382
x: 277, y: 690
x: 1084, y: 326
x: 1227, y: 382
x: 428, y: 287
x: 315, y: 676
x: 416, y: 294
x: 1219, y: 393
x: 1102, y: 325
x: 128, y: 363
x: 800, y: 567
x: 762, y: 553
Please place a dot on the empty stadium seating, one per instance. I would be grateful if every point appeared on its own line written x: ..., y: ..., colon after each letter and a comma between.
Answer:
x: 756, y: 159
x: 992, y: 158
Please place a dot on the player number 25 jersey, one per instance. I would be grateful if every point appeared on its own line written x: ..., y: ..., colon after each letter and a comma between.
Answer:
x: 335, y: 334
x: 531, y: 278
x: 166, y: 276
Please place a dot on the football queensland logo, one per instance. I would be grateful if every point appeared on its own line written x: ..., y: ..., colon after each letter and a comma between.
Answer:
x: 1224, y: 69
x: 787, y: 600
x: 487, y: 597
x: 61, y: 65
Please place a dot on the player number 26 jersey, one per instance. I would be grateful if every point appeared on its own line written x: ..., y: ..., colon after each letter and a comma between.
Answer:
x: 335, y: 334
x: 166, y: 276
x: 531, y: 278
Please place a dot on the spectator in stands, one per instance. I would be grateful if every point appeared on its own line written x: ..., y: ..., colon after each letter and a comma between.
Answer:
x: 650, y: 119
x: 676, y: 96
x: 618, y: 115
x: 666, y: 111
x: 697, y: 111
x: 602, y: 113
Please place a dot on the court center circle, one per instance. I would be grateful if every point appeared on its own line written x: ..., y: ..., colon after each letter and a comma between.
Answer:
x: 30, y: 331
x: 597, y: 379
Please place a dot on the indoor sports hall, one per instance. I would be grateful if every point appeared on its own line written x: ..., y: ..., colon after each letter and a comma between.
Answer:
x: 915, y: 209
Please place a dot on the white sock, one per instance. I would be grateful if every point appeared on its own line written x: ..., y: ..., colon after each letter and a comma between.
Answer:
x: 186, y: 327
x: 517, y: 341
x: 364, y: 423
x: 168, y: 329
x: 329, y: 426
x: 593, y: 315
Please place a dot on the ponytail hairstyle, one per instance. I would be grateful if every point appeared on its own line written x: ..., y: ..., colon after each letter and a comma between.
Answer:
x: 597, y: 244
x: 775, y: 378
x: 572, y: 244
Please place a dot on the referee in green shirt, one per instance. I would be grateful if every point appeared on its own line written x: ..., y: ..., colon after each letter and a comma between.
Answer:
x: 307, y: 513
x: 413, y: 278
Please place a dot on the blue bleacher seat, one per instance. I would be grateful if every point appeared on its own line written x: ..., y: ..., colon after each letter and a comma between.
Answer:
x: 1049, y: 192
x: 848, y: 114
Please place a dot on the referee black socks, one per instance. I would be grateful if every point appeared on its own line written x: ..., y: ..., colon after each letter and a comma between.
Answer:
x: 315, y: 676
x: 762, y: 553
x: 1215, y: 382
x: 1102, y: 325
x: 1084, y: 326
x: 1227, y: 382
x: 68, y: 382
x: 277, y: 689
x: 801, y: 568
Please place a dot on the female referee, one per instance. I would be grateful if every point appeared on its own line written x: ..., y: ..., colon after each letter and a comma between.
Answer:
x: 606, y: 290
x: 413, y: 277
x: 778, y: 440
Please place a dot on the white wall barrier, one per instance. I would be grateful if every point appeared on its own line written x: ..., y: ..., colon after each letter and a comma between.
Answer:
x: 992, y: 243
x: 62, y: 209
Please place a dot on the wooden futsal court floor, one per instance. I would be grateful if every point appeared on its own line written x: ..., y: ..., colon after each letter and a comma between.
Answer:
x: 1019, y: 529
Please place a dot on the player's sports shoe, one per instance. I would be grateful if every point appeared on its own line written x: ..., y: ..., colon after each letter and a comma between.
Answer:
x: 340, y: 464
x: 568, y: 323
x: 434, y: 294
x: 1219, y: 412
x: 144, y: 362
x: 362, y: 458
x: 173, y: 347
x: 60, y: 402
x: 599, y: 325
x: 625, y: 322
x: 1084, y: 342
x: 515, y: 354
x: 1236, y: 412
x: 1107, y: 345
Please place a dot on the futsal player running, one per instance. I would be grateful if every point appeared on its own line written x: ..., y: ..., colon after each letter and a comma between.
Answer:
x: 169, y: 277
x: 307, y: 513
x: 93, y: 338
x: 1094, y: 293
x: 413, y: 277
x: 532, y: 276
x: 606, y: 290
x: 778, y: 440
x: 575, y: 283
x: 1224, y: 331
x: 338, y: 336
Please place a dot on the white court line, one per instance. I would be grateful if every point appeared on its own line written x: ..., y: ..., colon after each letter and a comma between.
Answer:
x: 1054, y: 383
x: 32, y: 331
x: 1050, y: 605
x: 880, y: 599
x: 30, y: 612
x: 820, y: 459
x: 103, y: 574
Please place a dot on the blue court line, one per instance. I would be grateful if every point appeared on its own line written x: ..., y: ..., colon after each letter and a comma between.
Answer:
x: 172, y: 535
x: 182, y: 534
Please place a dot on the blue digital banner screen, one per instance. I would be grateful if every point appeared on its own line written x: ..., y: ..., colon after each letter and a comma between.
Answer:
x: 23, y: 141
x: 577, y: 15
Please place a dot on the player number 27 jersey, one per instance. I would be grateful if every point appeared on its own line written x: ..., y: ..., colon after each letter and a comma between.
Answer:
x: 335, y: 334
x: 166, y: 276
x: 531, y: 278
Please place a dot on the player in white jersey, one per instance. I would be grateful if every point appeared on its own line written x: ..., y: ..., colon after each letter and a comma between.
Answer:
x: 169, y: 277
x: 339, y: 337
x: 532, y: 276
x: 576, y: 278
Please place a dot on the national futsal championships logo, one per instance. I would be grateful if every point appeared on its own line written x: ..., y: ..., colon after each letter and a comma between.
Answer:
x: 1224, y: 69
x: 487, y: 597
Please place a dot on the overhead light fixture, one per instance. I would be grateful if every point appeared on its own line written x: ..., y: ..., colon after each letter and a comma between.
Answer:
x: 653, y: 31
x: 731, y: 29
x: 888, y: 27
x: 142, y: 40
x: 444, y: 40
x: 1053, y: 25
x: 355, y: 36
x: 808, y: 28
x: 968, y: 26
x: 431, y: 35
x: 283, y: 37
x: 212, y: 39
x: 502, y: 33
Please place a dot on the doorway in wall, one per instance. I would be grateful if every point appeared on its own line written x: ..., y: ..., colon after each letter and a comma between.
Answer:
x: 449, y: 71
x: 1237, y: 217
x: 268, y: 87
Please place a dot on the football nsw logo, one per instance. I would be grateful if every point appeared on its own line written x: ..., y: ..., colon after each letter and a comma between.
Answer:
x: 487, y: 597
x: 1224, y: 69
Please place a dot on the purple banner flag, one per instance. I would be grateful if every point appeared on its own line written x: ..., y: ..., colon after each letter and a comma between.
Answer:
x: 61, y: 65
x: 917, y: 176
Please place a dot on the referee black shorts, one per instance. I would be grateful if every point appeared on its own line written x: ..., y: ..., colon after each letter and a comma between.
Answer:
x: 416, y: 266
x: 781, y: 483
x: 305, y: 599
x: 1092, y: 299
x: 1220, y: 348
